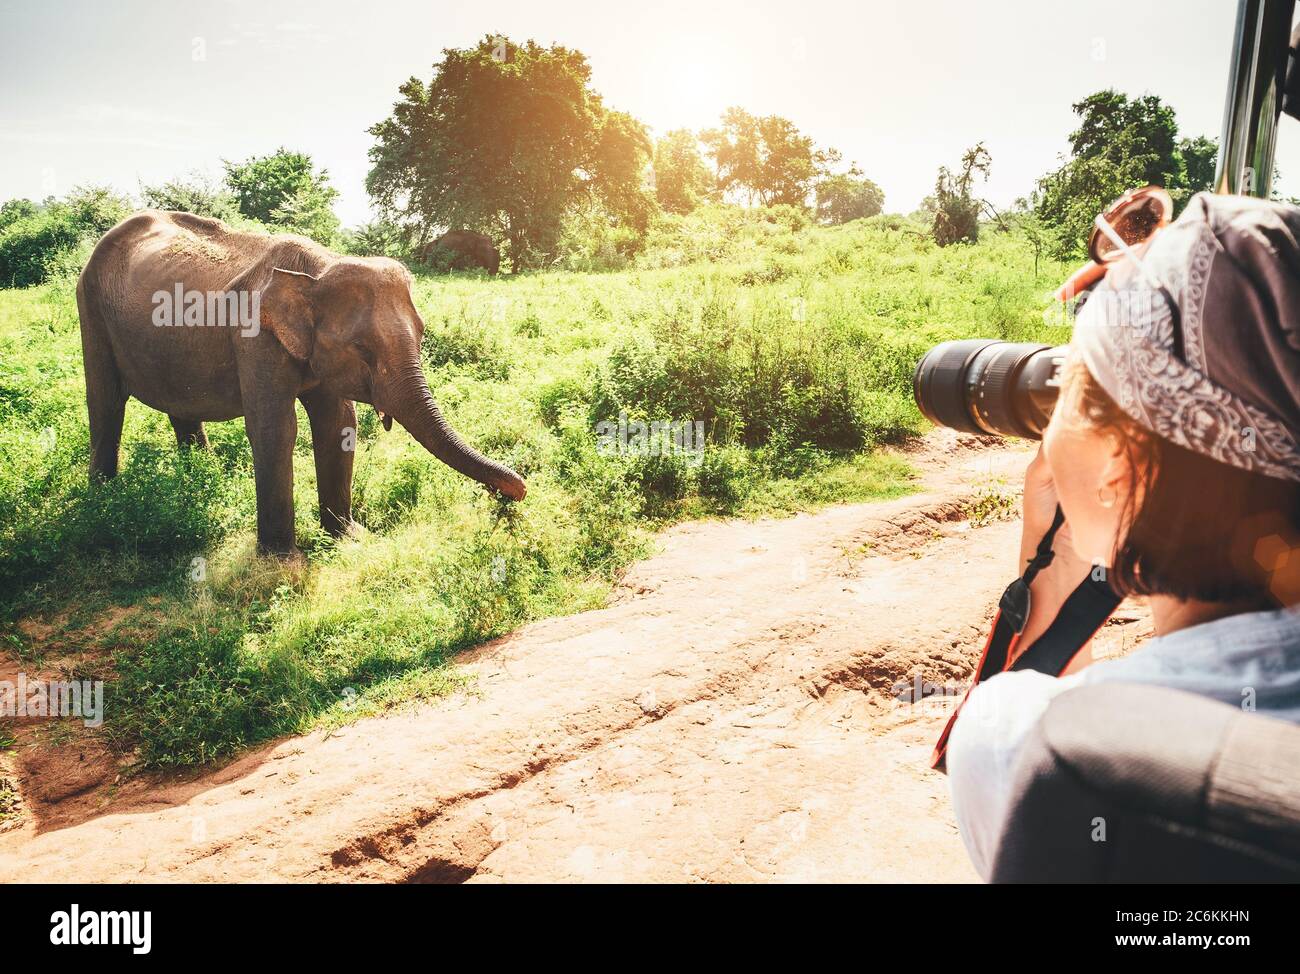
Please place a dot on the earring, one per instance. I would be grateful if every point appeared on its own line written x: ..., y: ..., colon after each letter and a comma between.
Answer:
x: 1105, y: 501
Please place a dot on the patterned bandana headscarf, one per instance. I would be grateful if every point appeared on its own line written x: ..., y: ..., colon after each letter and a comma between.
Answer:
x: 1199, y: 340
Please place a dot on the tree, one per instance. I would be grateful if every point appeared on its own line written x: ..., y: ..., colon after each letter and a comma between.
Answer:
x: 956, y: 215
x: 766, y: 158
x: 193, y: 194
x: 95, y: 209
x: 1200, y: 157
x: 507, y: 139
x: 1120, y: 144
x: 848, y: 196
x: 284, y: 190
x: 682, y: 180
x: 14, y: 210
x: 1145, y: 127
x: 1069, y: 199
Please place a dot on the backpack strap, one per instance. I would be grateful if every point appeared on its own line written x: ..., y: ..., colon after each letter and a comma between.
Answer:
x: 1084, y: 612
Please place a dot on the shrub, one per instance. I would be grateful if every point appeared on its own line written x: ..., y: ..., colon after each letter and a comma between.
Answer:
x: 379, y: 238
x: 15, y: 210
x: 29, y: 244
x: 555, y: 400
x: 465, y: 342
x: 593, y: 240
x: 660, y: 477
x: 192, y: 194
x: 759, y: 378
x: 604, y: 503
x: 725, y: 475
x: 42, y: 242
x: 163, y: 506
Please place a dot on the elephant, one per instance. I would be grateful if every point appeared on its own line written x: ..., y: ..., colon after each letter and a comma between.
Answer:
x: 468, y: 250
x: 205, y: 323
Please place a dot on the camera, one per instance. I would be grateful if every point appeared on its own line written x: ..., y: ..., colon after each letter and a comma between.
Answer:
x: 990, y: 387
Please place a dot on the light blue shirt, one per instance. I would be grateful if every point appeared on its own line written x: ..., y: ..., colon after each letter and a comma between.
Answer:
x: 1251, y: 661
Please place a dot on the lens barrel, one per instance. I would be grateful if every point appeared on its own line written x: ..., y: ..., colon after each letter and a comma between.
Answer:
x: 989, y: 387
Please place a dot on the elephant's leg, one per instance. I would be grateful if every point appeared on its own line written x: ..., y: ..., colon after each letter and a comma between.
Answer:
x: 189, y: 433
x: 107, y: 409
x: 105, y: 397
x: 272, y: 426
x: 106, y: 404
x: 334, y: 440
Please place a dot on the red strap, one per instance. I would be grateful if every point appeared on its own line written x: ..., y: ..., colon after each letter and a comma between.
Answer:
x: 941, y: 746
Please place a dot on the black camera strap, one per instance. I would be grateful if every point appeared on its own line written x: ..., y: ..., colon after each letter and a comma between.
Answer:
x: 1084, y: 612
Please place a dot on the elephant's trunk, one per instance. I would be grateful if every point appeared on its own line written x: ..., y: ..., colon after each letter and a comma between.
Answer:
x: 414, y: 408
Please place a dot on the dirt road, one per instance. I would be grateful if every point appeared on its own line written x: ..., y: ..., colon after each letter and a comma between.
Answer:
x: 731, y: 716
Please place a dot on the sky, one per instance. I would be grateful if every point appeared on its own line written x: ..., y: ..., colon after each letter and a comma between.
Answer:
x: 139, y: 91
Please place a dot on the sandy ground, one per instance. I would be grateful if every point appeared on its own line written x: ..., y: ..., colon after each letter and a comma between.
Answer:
x: 733, y: 715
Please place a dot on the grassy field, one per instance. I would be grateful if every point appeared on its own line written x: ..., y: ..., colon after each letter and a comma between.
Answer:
x: 794, y: 345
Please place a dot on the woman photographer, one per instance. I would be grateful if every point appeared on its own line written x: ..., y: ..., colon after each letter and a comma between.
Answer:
x: 1173, y: 454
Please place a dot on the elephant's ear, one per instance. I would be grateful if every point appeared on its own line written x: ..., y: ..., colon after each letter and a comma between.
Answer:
x: 288, y: 311
x: 283, y: 303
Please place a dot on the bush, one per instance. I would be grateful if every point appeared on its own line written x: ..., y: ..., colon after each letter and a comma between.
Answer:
x: 163, y: 506
x: 660, y: 477
x: 725, y: 475
x: 716, y: 233
x: 379, y: 238
x: 760, y: 378
x: 605, y: 504
x: 561, y: 398
x: 193, y: 194
x: 592, y: 240
x: 15, y: 210
x: 29, y: 244
x: 63, y: 266
x: 42, y: 242
x: 465, y: 342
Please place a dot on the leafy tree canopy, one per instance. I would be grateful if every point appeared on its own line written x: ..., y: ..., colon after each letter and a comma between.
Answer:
x: 1121, y: 143
x: 14, y: 210
x: 682, y: 179
x: 284, y: 189
x: 766, y: 158
x: 192, y: 194
x: 848, y: 196
x: 507, y: 139
x: 35, y: 239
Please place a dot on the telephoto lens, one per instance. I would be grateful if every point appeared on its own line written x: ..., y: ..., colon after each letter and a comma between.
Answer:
x: 990, y: 387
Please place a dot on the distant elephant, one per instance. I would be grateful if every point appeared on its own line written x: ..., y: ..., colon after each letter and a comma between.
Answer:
x: 205, y: 324
x: 468, y: 250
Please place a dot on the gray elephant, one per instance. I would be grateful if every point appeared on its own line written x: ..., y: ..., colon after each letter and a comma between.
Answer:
x: 205, y: 324
x: 464, y: 250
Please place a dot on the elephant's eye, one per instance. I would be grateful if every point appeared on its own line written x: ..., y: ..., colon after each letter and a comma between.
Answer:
x: 366, y: 354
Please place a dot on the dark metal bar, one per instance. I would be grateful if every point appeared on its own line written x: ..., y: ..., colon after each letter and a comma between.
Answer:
x: 1255, y: 79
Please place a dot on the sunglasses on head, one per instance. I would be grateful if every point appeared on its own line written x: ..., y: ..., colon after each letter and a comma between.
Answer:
x: 1131, y: 220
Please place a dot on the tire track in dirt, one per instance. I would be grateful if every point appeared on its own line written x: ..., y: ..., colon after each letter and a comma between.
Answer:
x: 730, y: 716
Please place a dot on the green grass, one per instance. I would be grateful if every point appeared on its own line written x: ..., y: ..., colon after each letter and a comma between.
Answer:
x: 794, y: 346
